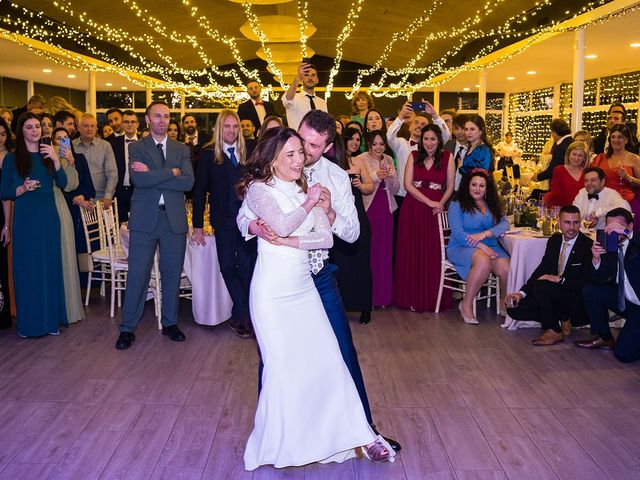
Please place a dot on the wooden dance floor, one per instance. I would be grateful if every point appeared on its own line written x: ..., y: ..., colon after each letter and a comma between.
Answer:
x: 465, y: 402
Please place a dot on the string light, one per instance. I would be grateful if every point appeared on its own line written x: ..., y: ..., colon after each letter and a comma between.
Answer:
x: 303, y: 14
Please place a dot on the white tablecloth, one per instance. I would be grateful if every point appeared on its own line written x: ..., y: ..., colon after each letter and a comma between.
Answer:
x: 211, y: 303
x: 526, y: 253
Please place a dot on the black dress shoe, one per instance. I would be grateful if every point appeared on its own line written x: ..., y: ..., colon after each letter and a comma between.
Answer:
x: 395, y: 445
x: 365, y: 317
x: 174, y: 333
x: 241, y: 331
x: 125, y: 340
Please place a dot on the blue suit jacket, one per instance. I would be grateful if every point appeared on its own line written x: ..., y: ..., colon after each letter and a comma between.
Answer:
x: 159, y: 180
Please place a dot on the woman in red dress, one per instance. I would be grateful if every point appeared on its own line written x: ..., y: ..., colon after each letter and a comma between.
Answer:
x: 568, y: 179
x: 621, y: 167
x: 428, y: 179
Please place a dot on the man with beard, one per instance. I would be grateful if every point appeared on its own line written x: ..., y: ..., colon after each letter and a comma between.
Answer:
x: 255, y: 109
x: 298, y: 104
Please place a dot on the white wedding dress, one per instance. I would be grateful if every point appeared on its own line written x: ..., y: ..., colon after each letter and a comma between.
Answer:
x: 308, y: 409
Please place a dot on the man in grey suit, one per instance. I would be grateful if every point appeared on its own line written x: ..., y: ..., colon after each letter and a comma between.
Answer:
x: 160, y: 169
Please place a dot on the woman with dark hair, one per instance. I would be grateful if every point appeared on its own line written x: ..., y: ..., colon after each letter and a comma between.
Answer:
x: 272, y: 121
x: 28, y: 178
x: 476, y: 221
x: 374, y: 120
x: 480, y: 154
x: 380, y: 205
x: 46, y: 122
x: 621, y: 167
x: 175, y: 132
x: 6, y: 146
x: 428, y: 180
x: 353, y: 259
x: 308, y: 409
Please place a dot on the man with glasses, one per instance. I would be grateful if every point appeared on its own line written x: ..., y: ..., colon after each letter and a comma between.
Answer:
x: 120, y: 145
x: 616, y: 115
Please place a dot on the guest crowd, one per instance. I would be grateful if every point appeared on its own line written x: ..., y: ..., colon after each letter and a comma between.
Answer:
x: 404, y: 173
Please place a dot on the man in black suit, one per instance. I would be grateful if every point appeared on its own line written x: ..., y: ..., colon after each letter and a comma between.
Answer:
x: 561, y: 134
x: 553, y: 293
x: 219, y: 170
x: 615, y: 289
x: 255, y: 109
x: 35, y: 105
x: 120, y: 145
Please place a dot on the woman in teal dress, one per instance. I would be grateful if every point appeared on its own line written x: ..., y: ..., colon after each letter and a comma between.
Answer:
x: 480, y: 154
x: 476, y: 222
x: 28, y: 176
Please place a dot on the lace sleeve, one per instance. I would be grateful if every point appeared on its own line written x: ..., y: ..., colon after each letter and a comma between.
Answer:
x: 265, y: 206
x: 321, y: 237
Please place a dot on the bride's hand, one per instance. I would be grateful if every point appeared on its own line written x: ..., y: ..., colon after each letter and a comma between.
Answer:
x: 313, y: 193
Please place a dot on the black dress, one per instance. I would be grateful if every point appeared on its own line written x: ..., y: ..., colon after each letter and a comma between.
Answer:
x: 353, y: 262
x: 5, y: 312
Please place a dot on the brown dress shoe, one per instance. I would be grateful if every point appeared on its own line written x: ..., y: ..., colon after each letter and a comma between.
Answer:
x: 566, y: 328
x: 596, y: 342
x: 548, y: 338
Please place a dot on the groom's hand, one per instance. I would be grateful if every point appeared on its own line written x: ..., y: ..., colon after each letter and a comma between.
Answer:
x: 262, y: 230
x: 325, y: 203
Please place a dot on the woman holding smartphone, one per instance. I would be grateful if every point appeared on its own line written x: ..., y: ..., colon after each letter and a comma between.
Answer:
x: 380, y: 205
x: 28, y: 177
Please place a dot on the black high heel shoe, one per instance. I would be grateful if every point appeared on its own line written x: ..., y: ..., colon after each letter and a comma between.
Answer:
x: 365, y: 317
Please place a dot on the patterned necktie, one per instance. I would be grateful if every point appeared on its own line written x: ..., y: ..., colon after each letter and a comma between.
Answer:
x: 621, y: 299
x: 309, y: 175
x: 311, y: 102
x: 316, y: 262
x: 161, y: 152
x: 232, y: 155
x: 562, y: 261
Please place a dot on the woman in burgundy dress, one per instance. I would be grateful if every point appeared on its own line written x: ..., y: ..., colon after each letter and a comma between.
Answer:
x: 380, y: 205
x: 428, y: 179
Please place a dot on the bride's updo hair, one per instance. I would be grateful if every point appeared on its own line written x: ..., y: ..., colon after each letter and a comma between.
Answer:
x: 259, y: 167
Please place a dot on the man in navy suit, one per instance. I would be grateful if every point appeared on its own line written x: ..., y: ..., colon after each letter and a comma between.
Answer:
x: 120, y: 145
x: 160, y: 169
x: 553, y: 293
x: 255, y: 109
x: 219, y: 170
x: 615, y: 287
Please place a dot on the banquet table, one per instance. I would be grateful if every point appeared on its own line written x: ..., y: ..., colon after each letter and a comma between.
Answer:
x: 211, y: 303
x: 526, y: 249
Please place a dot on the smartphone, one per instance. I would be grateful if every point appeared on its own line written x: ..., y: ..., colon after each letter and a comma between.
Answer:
x: 65, y: 144
x: 45, y: 141
x: 608, y: 241
x: 354, y: 175
x: 417, y: 106
x: 306, y: 60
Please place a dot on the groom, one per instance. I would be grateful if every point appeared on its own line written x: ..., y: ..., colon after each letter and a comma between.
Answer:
x: 318, y: 129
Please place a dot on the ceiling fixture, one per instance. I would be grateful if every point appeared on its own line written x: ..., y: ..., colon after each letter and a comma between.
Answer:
x: 71, y: 75
x: 46, y: 70
x: 466, y: 89
x: 477, y: 86
x: 531, y: 72
x: 635, y: 45
x: 108, y: 84
x: 591, y: 57
x: 511, y: 78
x: 123, y: 88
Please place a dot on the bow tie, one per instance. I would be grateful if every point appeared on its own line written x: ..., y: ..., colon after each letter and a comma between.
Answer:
x: 591, y: 196
x: 412, y: 143
x: 129, y: 140
x: 259, y: 102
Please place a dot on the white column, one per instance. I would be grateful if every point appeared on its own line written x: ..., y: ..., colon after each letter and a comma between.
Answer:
x: 482, y: 94
x: 149, y: 96
x: 183, y: 109
x: 30, y: 90
x: 555, y: 111
x: 436, y: 99
x: 505, y: 114
x: 91, y: 94
x: 578, y: 79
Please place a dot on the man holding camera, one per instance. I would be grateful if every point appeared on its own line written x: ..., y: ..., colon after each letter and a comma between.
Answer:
x: 615, y: 287
x: 552, y: 295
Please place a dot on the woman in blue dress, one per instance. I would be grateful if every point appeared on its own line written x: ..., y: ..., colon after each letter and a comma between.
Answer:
x: 476, y: 222
x: 480, y: 154
x: 28, y: 175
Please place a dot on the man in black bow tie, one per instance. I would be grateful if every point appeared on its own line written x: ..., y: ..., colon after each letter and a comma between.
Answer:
x: 595, y: 200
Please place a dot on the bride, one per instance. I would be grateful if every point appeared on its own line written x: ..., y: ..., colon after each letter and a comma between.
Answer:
x: 308, y: 409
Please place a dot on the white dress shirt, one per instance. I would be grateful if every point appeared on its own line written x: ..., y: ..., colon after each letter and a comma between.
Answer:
x: 299, y: 106
x: 194, y: 139
x: 402, y: 147
x: 608, y: 199
x: 463, y: 148
x: 164, y: 151
x: 260, y: 110
x: 126, y: 182
x: 346, y: 225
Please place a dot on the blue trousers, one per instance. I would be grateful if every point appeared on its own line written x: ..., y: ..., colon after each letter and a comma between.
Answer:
x: 599, y: 299
x: 327, y: 287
